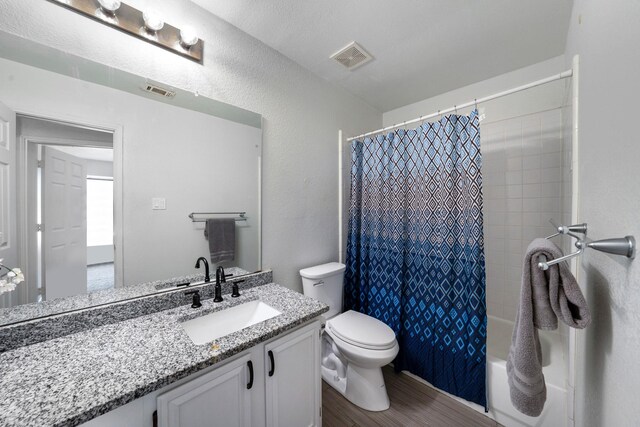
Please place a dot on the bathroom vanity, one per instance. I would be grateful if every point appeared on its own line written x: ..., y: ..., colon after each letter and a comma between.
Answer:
x: 147, y: 370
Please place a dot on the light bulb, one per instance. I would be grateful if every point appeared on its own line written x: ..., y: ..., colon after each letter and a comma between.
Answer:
x: 188, y: 37
x: 152, y: 21
x: 110, y: 5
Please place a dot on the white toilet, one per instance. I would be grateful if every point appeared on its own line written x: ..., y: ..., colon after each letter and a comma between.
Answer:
x: 354, y: 346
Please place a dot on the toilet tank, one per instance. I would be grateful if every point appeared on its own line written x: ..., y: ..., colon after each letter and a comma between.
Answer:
x: 324, y: 283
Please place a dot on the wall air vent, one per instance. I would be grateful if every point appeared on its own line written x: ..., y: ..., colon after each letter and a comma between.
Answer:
x: 159, y: 90
x: 352, y: 56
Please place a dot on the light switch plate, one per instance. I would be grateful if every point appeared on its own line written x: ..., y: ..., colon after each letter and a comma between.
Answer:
x: 158, y: 203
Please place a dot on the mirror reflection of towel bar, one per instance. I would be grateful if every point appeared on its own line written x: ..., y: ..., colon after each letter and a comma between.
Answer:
x: 618, y: 246
x: 241, y: 215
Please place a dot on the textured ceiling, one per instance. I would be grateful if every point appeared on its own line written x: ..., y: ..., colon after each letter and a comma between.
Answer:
x: 421, y: 47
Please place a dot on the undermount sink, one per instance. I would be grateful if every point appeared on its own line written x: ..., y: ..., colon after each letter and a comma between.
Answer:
x: 207, y: 328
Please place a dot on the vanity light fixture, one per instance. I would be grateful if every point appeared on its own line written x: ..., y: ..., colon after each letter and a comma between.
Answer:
x: 110, y: 6
x: 152, y: 21
x: 147, y: 26
x: 188, y: 37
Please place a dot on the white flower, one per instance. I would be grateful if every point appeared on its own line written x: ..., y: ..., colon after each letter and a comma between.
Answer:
x: 6, y: 286
x: 10, y: 279
x: 16, y: 276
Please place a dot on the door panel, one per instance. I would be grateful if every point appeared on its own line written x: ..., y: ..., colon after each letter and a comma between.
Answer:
x: 293, y: 389
x: 7, y: 163
x: 8, y: 247
x: 219, y: 398
x: 64, y: 218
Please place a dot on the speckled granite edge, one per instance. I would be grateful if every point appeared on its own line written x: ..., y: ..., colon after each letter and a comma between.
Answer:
x: 27, y: 312
x: 72, y: 379
x: 42, y: 329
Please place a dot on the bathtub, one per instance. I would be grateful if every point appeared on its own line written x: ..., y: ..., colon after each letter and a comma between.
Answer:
x: 555, y: 375
x: 554, y: 369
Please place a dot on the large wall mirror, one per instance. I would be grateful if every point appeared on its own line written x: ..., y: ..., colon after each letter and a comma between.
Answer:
x: 108, y: 180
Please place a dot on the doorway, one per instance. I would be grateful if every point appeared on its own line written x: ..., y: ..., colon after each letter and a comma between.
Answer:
x: 69, y: 177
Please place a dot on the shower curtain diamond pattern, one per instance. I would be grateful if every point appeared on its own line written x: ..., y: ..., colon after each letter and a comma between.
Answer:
x: 415, y: 250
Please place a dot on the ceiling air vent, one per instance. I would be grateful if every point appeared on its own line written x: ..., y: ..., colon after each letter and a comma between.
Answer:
x: 352, y: 56
x: 159, y: 91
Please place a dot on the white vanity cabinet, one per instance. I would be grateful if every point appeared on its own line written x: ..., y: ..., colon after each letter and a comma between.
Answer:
x: 220, y: 397
x: 293, y: 384
x: 285, y: 393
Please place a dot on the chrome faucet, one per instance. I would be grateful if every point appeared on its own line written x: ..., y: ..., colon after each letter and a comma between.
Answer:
x: 207, y: 279
x: 219, y: 280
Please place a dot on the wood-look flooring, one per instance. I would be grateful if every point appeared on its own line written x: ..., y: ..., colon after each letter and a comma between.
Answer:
x: 412, y: 404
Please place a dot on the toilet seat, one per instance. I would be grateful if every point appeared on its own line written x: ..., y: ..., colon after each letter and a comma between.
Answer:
x: 362, y: 331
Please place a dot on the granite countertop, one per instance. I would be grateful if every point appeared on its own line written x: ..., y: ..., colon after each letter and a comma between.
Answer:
x: 72, y: 379
x: 35, y: 310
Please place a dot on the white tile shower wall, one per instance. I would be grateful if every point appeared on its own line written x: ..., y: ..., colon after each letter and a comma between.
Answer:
x: 523, y: 170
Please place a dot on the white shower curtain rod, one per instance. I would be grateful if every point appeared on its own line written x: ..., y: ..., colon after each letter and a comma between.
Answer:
x: 563, y: 75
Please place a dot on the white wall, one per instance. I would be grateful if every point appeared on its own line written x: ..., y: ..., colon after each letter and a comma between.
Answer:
x: 302, y: 113
x: 100, y: 168
x: 538, y: 99
x: 29, y: 127
x: 99, y: 254
x: 605, y: 34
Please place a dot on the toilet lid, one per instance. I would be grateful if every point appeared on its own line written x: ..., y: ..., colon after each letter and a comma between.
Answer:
x: 362, y: 330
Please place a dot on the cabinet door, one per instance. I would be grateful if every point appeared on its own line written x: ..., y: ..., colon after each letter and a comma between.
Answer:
x: 293, y: 388
x: 219, y: 398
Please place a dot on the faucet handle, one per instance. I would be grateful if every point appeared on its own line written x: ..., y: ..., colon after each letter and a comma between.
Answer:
x: 196, y: 298
x: 235, y: 292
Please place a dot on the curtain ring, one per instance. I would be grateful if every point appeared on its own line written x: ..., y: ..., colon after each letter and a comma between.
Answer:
x: 422, y: 119
x: 455, y: 108
x: 475, y: 102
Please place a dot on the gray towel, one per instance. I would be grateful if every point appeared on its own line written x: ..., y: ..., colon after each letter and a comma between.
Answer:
x: 545, y: 296
x: 221, y: 233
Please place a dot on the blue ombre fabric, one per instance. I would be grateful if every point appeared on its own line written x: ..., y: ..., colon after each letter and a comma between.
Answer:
x: 415, y: 250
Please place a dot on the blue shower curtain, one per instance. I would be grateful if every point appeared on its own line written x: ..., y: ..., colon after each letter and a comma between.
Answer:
x: 415, y: 251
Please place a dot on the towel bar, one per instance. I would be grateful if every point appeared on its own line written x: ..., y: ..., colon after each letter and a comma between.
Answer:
x: 241, y: 215
x: 618, y: 246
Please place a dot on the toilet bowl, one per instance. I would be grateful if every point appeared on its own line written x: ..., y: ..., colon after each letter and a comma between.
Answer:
x: 355, y: 346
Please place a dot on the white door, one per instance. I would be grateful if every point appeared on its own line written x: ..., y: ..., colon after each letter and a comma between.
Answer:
x: 219, y: 398
x: 8, y: 247
x: 293, y: 387
x: 64, y: 222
